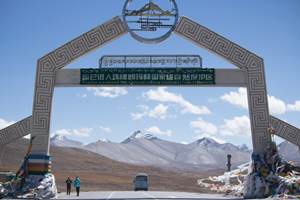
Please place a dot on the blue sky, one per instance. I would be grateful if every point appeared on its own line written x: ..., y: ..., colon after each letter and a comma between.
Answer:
x: 31, y: 29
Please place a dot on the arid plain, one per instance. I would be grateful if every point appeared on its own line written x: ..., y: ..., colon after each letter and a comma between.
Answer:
x: 99, y: 173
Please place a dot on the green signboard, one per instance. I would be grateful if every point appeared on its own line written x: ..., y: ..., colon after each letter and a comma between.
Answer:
x: 147, y: 76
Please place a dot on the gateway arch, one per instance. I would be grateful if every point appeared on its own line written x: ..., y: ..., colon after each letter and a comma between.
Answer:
x: 250, y: 73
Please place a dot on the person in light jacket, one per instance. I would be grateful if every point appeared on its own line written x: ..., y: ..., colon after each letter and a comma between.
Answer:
x: 77, y: 185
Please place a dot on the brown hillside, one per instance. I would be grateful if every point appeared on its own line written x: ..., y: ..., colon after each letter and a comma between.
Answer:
x: 99, y: 173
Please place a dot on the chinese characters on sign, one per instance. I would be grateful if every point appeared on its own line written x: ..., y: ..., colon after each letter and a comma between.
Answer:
x: 147, y: 76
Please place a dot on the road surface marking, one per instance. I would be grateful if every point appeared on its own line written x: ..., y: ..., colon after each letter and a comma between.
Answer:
x: 110, y: 195
x: 150, y: 196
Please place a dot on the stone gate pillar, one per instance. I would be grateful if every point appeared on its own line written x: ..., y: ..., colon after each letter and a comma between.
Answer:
x: 44, y: 83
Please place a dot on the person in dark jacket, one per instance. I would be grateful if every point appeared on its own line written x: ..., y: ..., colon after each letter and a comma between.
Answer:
x: 77, y: 185
x: 68, y: 181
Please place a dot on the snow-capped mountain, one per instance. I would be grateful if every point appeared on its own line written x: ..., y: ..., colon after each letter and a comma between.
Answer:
x: 103, y: 140
x: 138, y: 135
x: 206, y: 142
x: 145, y: 149
x: 60, y: 140
x: 289, y: 151
x: 219, y: 152
x: 57, y: 137
x: 245, y: 148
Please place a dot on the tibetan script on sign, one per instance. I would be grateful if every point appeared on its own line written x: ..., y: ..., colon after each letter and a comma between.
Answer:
x: 137, y: 61
x: 147, y: 76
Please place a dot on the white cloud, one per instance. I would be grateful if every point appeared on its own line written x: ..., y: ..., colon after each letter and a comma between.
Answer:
x: 174, y: 100
x: 294, y: 107
x: 237, y: 98
x: 143, y: 107
x: 211, y: 100
x: 156, y: 130
x: 220, y: 141
x: 110, y: 92
x: 172, y: 116
x: 63, y: 132
x: 238, y: 126
x: 82, y: 95
x: 203, y: 127
x: 159, y: 111
x: 4, y: 124
x: 136, y: 116
x: 145, y: 110
x: 83, y: 132
x: 107, y: 129
x: 276, y: 106
x: 190, y: 108
x: 162, y: 95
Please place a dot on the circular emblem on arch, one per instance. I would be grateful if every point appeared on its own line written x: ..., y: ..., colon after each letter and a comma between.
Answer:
x: 150, y: 21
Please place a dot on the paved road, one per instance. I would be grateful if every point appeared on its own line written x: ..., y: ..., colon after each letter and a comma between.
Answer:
x: 129, y: 195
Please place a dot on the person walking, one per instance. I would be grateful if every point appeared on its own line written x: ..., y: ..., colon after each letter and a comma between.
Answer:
x: 68, y: 181
x: 77, y: 185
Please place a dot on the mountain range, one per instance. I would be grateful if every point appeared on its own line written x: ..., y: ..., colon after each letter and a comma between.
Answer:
x: 145, y: 149
x: 99, y: 173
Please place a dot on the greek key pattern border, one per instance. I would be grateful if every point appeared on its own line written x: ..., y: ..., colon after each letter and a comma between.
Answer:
x: 15, y: 131
x: 55, y: 60
x: 244, y: 59
x: 285, y: 130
